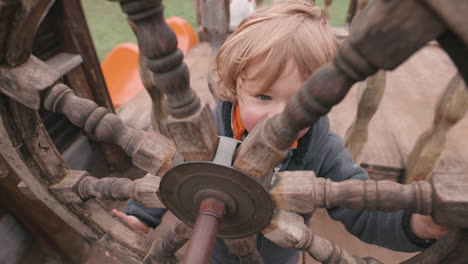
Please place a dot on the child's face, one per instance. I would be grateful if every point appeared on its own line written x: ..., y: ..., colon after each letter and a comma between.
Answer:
x: 254, y: 108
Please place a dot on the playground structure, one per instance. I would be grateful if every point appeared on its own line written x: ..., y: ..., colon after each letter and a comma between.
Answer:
x: 28, y: 84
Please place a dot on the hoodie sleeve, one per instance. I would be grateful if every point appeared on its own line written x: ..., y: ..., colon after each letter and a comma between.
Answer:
x: 389, y: 230
x: 150, y: 216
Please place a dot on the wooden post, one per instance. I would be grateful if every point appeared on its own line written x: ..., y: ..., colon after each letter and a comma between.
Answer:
x: 369, y: 97
x: 158, y: 44
x: 428, y: 150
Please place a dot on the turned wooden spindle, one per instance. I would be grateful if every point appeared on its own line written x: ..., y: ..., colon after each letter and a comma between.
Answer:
x: 163, y: 250
x: 300, y: 191
x: 158, y: 44
x: 288, y: 230
x: 356, y: 59
x: 143, y: 190
x: 428, y: 150
x: 369, y: 98
x: 443, y: 197
x: 150, y: 151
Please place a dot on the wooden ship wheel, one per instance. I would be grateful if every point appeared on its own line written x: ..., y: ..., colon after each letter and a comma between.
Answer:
x: 217, y: 186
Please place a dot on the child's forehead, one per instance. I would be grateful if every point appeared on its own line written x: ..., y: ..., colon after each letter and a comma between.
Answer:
x: 262, y: 81
x: 261, y: 70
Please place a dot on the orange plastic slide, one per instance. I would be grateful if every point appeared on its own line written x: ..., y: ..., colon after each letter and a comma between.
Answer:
x: 120, y: 67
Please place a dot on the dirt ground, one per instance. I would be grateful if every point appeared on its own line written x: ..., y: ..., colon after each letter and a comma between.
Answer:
x: 412, y: 88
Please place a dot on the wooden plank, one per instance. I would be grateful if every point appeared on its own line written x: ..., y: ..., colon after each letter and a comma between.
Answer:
x: 25, y: 82
x: 63, y: 62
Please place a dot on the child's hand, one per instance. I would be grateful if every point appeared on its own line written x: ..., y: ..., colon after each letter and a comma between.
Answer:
x: 131, y: 220
x: 424, y: 227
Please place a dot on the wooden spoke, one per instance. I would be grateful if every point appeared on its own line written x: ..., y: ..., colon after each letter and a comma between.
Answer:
x: 301, y: 192
x: 356, y: 59
x: 428, y: 150
x: 26, y: 21
x: 370, y: 95
x: 79, y: 186
x: 163, y: 250
x: 245, y: 249
x: 444, y: 197
x: 150, y: 151
x: 158, y: 44
x: 288, y: 230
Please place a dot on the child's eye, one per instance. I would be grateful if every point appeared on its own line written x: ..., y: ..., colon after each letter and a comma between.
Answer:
x: 263, y: 97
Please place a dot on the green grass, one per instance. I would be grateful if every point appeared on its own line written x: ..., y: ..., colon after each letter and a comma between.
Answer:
x: 108, y: 24
x: 109, y: 27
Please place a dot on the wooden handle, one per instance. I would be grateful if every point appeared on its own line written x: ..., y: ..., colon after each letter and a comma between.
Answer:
x: 158, y: 44
x: 142, y: 190
x: 151, y: 152
x: 300, y: 191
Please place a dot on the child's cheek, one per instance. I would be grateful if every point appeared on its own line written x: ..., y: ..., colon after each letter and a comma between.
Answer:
x: 251, y: 118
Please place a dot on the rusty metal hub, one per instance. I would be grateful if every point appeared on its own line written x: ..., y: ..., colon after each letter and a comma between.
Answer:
x: 248, y: 205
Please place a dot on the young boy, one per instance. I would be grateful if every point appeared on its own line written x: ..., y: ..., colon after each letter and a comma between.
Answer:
x: 260, y: 67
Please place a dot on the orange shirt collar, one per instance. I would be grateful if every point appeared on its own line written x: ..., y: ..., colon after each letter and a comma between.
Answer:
x: 238, y: 127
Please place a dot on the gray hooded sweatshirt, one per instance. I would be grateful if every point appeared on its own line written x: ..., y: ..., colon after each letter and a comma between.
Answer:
x: 321, y: 151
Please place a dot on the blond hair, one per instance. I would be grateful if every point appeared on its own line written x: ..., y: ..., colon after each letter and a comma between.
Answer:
x: 268, y: 38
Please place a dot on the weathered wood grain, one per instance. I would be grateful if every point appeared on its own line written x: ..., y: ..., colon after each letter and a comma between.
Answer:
x: 63, y: 62
x: 163, y: 249
x: 150, y: 151
x: 452, y: 14
x: 25, y: 82
x: 171, y: 76
x: 23, y: 28
x: 79, y: 186
x: 7, y: 10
